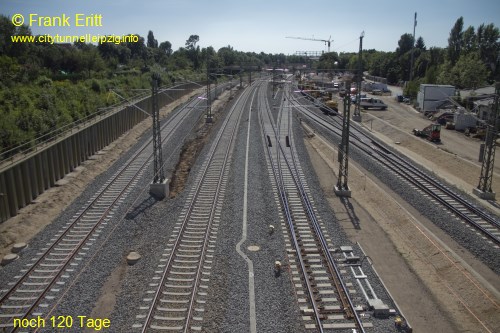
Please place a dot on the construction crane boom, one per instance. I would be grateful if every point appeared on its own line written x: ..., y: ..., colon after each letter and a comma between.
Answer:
x: 326, y: 41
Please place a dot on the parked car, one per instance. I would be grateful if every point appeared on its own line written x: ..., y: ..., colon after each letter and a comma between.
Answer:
x: 402, y: 99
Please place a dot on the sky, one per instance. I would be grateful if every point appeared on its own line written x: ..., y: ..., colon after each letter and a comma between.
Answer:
x: 262, y: 26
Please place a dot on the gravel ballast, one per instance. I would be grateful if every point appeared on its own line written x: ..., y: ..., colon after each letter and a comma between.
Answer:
x: 460, y: 232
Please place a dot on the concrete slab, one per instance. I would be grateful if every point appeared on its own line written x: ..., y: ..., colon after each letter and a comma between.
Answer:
x: 159, y: 190
x: 484, y: 195
x: 380, y: 309
x: 346, y: 248
x: 356, y: 118
x: 342, y: 192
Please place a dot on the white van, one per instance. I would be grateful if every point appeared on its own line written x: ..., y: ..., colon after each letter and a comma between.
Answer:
x: 372, y: 103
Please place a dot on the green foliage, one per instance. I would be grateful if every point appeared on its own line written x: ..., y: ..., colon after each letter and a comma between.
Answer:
x: 44, y: 82
x: 329, y: 61
x: 470, y: 60
x: 152, y: 42
x: 412, y: 88
x: 405, y: 44
x: 44, y: 87
x: 431, y: 75
x: 96, y: 86
x: 455, y: 41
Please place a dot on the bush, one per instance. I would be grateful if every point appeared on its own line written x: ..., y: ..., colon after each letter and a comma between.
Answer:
x: 44, y: 82
x: 96, y: 86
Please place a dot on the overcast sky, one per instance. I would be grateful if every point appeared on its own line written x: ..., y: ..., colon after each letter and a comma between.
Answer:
x: 258, y: 25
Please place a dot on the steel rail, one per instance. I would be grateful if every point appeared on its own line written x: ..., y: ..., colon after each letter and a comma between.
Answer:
x: 334, y: 270
x: 78, y: 218
x: 204, y: 172
x: 284, y: 201
x: 399, y: 165
x: 346, y: 300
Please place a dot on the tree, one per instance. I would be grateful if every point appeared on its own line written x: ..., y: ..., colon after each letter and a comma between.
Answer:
x: 91, y: 60
x: 469, y: 43
x: 421, y: 64
x: 166, y: 47
x: 138, y: 49
x: 455, y: 41
x: 488, y: 46
x: 420, y: 44
x: 227, y: 55
x: 193, y: 51
x: 152, y: 42
x: 447, y: 75
x: 437, y: 55
x: 405, y: 44
x: 431, y: 75
x: 328, y: 61
x: 471, y: 71
x: 191, y: 42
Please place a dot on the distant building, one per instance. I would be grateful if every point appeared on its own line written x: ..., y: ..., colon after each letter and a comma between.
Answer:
x: 484, y: 108
x: 371, y: 86
x: 431, y: 96
x: 482, y: 102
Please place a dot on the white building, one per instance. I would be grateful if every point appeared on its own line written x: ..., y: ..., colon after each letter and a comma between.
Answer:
x: 431, y: 96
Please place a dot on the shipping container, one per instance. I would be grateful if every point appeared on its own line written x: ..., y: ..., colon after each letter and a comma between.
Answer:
x: 431, y: 96
x: 464, y: 120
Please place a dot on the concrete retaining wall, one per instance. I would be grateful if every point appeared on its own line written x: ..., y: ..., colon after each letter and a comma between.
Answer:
x: 23, y: 180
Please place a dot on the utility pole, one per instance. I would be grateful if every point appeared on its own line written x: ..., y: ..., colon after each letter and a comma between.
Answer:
x: 208, y: 118
x: 274, y: 79
x: 484, y: 188
x: 342, y: 189
x: 357, y: 112
x: 241, y: 77
x: 158, y: 159
x: 413, y: 46
x: 231, y: 85
x: 159, y: 187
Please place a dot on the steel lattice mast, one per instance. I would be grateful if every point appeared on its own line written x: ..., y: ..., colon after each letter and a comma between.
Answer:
x: 357, y: 112
x: 159, y: 175
x: 484, y: 188
x: 209, y: 100
x: 342, y: 189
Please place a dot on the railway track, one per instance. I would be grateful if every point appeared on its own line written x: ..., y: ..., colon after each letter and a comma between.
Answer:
x: 179, y: 289
x: 43, y: 279
x: 323, y: 293
x: 429, y: 186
